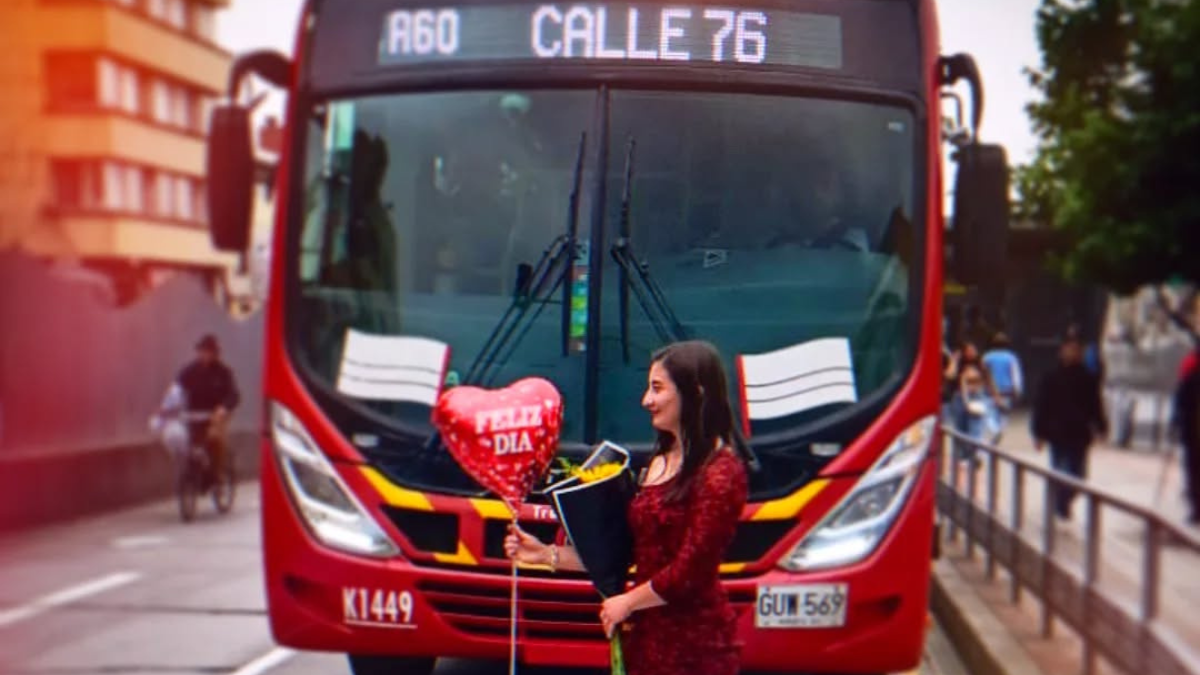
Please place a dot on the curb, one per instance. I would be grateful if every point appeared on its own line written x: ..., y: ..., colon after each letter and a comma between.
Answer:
x: 983, y: 643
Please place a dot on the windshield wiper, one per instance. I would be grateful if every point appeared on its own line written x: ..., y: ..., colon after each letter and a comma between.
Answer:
x: 623, y: 234
x: 531, y: 289
x: 635, y: 275
x: 536, y: 287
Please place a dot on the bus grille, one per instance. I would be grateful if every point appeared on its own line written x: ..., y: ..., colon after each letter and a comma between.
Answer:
x: 547, y: 615
x: 484, y: 611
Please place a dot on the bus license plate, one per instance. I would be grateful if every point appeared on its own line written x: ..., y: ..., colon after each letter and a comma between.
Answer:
x: 379, y: 608
x: 802, y: 606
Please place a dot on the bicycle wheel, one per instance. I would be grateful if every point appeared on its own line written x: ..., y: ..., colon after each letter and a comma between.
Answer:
x: 188, y: 490
x: 223, y: 490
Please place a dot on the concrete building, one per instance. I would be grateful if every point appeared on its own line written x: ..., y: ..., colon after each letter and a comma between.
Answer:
x: 102, y: 151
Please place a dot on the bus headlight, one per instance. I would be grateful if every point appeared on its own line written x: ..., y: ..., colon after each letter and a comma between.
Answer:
x: 853, y: 529
x: 328, y: 507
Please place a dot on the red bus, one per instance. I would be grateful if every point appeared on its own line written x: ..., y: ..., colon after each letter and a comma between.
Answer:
x: 474, y: 192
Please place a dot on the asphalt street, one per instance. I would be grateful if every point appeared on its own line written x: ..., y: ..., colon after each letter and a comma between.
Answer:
x: 139, y: 592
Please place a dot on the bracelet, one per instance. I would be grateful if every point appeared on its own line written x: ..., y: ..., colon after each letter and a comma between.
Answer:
x: 553, y: 557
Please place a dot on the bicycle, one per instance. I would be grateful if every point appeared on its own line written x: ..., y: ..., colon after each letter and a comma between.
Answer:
x: 194, y: 477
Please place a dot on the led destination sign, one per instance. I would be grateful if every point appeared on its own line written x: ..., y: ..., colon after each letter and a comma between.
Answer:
x: 612, y: 32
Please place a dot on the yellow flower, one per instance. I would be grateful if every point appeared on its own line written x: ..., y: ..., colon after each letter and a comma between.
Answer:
x: 597, y: 472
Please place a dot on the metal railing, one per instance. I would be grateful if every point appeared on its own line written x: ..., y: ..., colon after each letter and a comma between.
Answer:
x: 1135, y: 637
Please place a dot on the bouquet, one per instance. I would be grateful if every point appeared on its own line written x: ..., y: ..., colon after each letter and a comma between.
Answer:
x: 592, y: 505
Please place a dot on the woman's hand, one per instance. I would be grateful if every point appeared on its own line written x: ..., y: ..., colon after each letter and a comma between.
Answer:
x: 523, y: 547
x: 614, y: 611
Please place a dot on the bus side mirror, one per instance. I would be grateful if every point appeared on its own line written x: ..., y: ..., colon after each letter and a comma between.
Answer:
x: 230, y: 161
x: 230, y: 168
x: 951, y: 69
x: 981, y: 214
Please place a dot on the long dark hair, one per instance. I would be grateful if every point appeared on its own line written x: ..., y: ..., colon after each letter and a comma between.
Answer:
x: 705, y: 415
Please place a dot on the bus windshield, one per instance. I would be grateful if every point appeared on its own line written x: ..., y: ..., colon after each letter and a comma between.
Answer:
x: 757, y: 222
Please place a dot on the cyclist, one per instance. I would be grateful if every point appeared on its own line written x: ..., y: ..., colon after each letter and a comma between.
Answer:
x: 209, y: 388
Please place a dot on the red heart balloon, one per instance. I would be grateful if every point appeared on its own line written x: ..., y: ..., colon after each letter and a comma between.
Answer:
x: 503, y: 438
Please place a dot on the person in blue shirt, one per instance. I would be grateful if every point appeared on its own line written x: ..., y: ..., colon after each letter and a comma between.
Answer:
x: 1004, y: 370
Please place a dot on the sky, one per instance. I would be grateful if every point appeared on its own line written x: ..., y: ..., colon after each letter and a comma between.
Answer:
x: 999, y: 33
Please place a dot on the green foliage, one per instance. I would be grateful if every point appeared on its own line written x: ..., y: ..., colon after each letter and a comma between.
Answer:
x: 1118, y: 164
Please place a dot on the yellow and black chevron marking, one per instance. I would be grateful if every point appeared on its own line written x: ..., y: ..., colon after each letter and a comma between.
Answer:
x: 784, y: 508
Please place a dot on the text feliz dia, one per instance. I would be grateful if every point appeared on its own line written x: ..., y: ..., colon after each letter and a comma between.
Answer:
x: 509, y: 427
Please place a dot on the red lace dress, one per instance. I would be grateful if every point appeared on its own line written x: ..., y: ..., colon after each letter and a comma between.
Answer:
x: 677, y: 548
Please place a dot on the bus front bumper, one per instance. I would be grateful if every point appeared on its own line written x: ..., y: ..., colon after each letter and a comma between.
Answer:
x: 323, y: 600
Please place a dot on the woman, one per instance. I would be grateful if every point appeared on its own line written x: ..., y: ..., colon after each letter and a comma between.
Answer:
x: 683, y: 520
x: 974, y: 414
x: 966, y: 354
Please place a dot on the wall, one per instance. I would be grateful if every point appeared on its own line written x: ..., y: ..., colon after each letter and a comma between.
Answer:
x: 80, y: 378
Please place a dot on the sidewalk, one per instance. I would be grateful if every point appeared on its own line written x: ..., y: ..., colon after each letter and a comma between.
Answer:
x: 1135, y: 475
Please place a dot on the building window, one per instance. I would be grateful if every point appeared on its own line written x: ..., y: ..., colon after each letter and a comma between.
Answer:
x: 204, y: 106
x: 135, y: 201
x: 93, y: 185
x: 66, y: 179
x: 113, y: 177
x: 105, y: 83
x: 109, y: 76
x: 121, y: 187
x: 196, y: 18
x: 204, y: 24
x: 161, y: 96
x: 184, y: 204
x: 164, y: 196
x: 177, y: 14
x: 71, y: 80
x: 76, y: 184
x: 157, y: 9
x: 173, y: 104
x: 118, y: 86
x: 130, y: 98
x: 201, y: 202
x: 181, y: 113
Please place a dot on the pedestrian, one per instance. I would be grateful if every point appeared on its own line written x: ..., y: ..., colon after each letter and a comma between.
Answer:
x: 1068, y: 416
x: 974, y: 414
x: 683, y: 519
x: 967, y: 353
x: 1004, y: 369
x: 1186, y: 418
x: 1191, y: 359
x: 1187, y: 365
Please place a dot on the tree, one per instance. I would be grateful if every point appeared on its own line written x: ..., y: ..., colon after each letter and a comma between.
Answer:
x: 1117, y: 169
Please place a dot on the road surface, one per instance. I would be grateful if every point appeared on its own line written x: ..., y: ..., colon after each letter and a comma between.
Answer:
x: 138, y: 592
